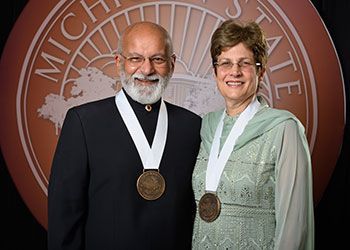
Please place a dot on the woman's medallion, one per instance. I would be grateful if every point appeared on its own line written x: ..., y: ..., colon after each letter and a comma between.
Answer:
x: 209, y: 207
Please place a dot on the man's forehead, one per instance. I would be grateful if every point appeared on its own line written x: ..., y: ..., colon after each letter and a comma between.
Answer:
x: 144, y: 41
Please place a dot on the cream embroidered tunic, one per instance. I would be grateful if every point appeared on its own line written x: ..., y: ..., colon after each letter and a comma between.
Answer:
x: 265, y: 189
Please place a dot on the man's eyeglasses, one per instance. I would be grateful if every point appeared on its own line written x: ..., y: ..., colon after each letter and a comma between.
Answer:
x: 137, y: 60
x: 228, y: 64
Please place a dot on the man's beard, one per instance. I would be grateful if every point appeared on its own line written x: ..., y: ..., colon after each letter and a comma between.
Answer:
x: 144, y: 94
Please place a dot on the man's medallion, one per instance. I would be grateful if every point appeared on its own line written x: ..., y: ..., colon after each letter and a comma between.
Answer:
x: 150, y: 185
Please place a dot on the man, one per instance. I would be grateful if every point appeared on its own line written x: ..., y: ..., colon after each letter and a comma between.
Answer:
x: 121, y: 174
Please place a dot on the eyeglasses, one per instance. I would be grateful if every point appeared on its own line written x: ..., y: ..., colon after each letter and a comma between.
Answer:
x: 226, y: 65
x: 137, y: 60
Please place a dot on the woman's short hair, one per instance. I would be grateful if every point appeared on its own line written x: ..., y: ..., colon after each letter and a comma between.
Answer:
x: 231, y: 32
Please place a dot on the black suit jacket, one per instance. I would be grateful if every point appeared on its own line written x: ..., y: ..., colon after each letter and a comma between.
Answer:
x: 93, y: 202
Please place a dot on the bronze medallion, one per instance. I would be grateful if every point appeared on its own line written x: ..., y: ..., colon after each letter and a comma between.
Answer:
x: 209, y: 207
x: 150, y: 185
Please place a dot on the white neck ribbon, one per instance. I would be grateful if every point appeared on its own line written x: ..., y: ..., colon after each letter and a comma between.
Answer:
x: 218, y: 161
x: 150, y: 156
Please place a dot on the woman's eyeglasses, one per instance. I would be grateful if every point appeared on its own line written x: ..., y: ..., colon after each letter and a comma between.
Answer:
x: 226, y: 64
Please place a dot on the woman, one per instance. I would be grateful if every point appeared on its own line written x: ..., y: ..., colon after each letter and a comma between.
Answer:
x: 252, y: 180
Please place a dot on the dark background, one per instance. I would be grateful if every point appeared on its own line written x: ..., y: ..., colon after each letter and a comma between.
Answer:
x: 20, y: 230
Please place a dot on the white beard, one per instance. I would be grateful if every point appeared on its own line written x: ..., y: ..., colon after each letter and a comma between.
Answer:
x: 144, y: 94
